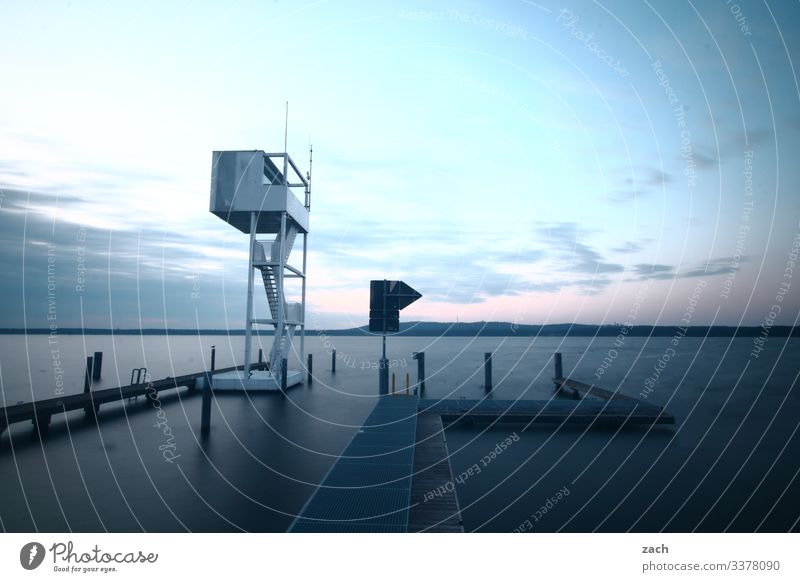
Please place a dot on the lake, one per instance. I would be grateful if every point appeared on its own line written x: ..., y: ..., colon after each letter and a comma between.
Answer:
x: 729, y: 464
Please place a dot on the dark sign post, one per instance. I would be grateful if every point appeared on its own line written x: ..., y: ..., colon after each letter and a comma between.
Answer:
x: 386, y: 299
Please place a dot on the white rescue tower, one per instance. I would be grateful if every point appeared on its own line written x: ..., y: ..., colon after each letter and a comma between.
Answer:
x: 251, y: 192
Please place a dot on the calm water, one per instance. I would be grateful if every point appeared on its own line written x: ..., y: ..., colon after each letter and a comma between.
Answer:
x: 731, y: 462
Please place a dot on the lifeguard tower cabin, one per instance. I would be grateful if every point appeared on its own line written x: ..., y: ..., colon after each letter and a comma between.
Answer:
x: 254, y: 191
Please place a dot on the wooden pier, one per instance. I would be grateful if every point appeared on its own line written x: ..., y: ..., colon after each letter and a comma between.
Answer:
x: 40, y: 412
x: 368, y: 489
x: 567, y: 412
x: 395, y: 475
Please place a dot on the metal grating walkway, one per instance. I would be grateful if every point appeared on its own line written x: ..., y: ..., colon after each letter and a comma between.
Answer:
x: 369, y: 488
x: 434, y: 503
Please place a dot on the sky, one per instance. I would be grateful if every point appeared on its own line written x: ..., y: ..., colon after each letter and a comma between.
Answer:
x: 533, y: 162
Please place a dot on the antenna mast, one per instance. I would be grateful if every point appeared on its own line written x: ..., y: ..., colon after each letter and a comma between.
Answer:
x: 308, y: 174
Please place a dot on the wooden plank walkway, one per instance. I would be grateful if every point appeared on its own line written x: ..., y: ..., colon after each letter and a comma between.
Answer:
x: 368, y: 489
x: 582, y: 390
x: 580, y: 412
x: 40, y: 412
x: 434, y: 502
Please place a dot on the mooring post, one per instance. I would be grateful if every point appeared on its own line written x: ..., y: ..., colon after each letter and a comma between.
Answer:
x: 87, y: 387
x: 393, y: 379
x: 333, y: 362
x: 87, y: 378
x: 284, y: 366
x: 310, y: 368
x: 205, y: 413
x: 559, y: 370
x: 97, y: 369
x: 408, y: 384
x: 487, y: 370
x: 420, y: 358
x: 260, y: 358
x: 383, y: 372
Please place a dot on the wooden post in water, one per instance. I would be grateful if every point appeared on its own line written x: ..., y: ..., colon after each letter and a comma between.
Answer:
x: 310, y: 368
x: 205, y: 412
x: 260, y: 358
x: 408, y: 383
x: 87, y: 378
x: 89, y: 409
x: 392, y: 383
x: 559, y: 372
x: 284, y: 366
x: 487, y: 370
x: 420, y: 358
x: 333, y: 362
x: 97, y: 368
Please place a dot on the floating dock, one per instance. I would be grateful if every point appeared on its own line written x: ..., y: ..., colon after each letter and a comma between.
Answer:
x: 369, y: 488
x: 395, y: 475
x: 567, y: 412
x: 40, y: 412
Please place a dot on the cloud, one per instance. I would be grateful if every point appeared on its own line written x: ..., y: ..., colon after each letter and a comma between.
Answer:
x: 577, y: 257
x: 630, y: 247
x: 651, y: 269
x: 652, y: 177
x: 704, y: 162
x: 718, y: 266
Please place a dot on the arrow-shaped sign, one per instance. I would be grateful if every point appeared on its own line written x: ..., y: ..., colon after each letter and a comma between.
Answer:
x: 386, y: 299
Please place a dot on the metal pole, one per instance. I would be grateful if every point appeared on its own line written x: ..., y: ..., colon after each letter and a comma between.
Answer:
x: 303, y: 301
x: 310, y: 368
x: 383, y: 377
x: 333, y: 361
x: 87, y: 381
x: 284, y: 366
x: 260, y: 358
x: 487, y: 368
x: 97, y: 368
x: 281, y: 298
x: 420, y: 358
x: 87, y: 387
x: 248, y: 337
x: 205, y: 414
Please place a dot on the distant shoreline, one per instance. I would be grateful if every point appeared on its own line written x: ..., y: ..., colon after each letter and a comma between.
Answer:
x: 483, y: 329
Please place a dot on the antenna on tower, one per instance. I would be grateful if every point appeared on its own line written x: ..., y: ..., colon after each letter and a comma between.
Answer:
x: 308, y: 174
x: 286, y: 129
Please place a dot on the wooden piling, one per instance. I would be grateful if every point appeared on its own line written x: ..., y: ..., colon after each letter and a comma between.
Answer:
x: 559, y: 367
x: 205, y: 413
x: 91, y: 408
x: 393, y: 380
x: 310, y: 368
x: 260, y: 358
x: 420, y: 358
x: 333, y: 362
x: 487, y: 370
x: 97, y: 368
x: 284, y: 367
x: 87, y: 377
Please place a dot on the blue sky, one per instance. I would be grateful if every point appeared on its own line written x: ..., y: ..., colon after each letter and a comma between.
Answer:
x: 532, y: 162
